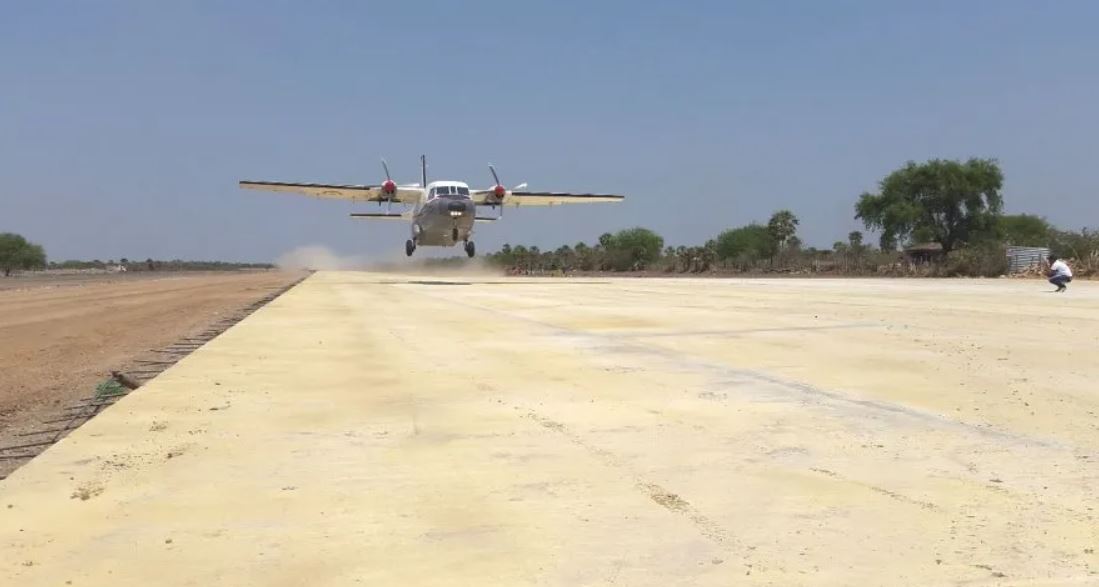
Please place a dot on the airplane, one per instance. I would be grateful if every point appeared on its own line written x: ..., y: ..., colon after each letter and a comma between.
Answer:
x: 443, y: 212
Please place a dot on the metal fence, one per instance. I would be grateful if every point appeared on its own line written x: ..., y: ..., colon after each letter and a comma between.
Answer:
x: 1025, y: 258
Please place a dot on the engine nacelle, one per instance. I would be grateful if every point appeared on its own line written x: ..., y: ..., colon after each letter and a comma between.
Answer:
x: 499, y: 191
x: 389, y: 188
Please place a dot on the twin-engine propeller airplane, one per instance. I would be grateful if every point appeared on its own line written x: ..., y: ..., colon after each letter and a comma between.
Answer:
x: 443, y: 212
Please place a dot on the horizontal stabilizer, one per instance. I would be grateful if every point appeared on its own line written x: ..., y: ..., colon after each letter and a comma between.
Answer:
x: 378, y: 215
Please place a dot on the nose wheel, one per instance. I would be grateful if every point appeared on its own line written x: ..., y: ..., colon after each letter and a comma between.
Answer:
x: 409, y: 247
x: 470, y: 249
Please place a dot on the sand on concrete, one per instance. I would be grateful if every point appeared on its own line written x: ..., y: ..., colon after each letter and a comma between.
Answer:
x: 61, y: 335
x: 378, y: 429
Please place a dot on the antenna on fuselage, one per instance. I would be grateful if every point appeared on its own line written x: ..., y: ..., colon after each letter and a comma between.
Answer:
x: 423, y: 169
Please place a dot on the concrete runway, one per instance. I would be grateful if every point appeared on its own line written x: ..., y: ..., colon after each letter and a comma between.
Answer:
x: 398, y: 430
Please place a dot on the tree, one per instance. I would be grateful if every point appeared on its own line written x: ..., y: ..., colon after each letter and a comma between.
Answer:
x: 745, y: 245
x: 632, y: 249
x: 18, y: 253
x: 1025, y: 230
x: 948, y: 202
x: 854, y: 239
x: 1082, y: 245
x: 782, y: 226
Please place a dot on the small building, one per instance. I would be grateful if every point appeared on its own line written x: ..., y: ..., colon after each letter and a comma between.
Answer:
x: 924, y: 253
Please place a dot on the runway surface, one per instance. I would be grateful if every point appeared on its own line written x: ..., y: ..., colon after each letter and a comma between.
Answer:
x: 401, y: 430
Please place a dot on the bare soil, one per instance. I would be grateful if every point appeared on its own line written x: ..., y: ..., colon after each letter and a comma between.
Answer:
x: 61, y: 336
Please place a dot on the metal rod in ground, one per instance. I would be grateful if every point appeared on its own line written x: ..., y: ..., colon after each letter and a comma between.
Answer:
x: 69, y: 419
x: 94, y: 406
x: 48, y: 430
x: 30, y: 445
x: 95, y: 401
x: 74, y: 419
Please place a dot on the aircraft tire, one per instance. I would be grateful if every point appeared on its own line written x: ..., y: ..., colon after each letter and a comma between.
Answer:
x: 409, y: 247
x: 470, y: 249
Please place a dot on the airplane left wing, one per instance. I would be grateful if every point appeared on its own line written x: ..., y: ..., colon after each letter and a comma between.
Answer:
x: 356, y: 193
x: 488, y: 198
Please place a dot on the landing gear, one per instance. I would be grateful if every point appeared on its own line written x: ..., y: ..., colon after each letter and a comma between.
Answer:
x: 470, y: 249
x: 409, y: 247
x: 454, y: 234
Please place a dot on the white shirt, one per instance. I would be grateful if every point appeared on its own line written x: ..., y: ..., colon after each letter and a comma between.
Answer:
x: 1060, y: 269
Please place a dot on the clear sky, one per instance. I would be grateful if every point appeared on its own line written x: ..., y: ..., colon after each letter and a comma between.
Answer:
x: 124, y: 126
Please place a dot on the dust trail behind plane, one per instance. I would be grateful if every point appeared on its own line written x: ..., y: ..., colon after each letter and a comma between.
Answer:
x: 321, y: 258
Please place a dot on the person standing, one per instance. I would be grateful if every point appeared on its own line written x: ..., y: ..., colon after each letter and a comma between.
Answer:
x: 1059, y: 273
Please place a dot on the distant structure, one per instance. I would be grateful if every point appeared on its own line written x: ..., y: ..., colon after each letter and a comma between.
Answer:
x: 922, y: 253
x: 1020, y: 259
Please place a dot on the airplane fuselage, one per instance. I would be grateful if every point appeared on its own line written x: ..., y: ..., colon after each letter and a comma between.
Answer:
x: 444, y: 216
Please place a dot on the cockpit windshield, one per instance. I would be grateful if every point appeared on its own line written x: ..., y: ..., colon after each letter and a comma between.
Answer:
x: 450, y: 192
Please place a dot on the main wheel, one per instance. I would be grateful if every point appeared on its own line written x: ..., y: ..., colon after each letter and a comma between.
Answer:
x: 409, y: 247
x: 470, y: 249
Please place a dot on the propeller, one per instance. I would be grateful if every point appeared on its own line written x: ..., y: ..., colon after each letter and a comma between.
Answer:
x: 499, y: 190
x: 389, y: 187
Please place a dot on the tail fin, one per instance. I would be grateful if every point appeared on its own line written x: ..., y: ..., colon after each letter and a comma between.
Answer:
x: 423, y: 169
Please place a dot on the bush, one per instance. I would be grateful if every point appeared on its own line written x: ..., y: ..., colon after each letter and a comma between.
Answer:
x: 17, y: 253
x: 632, y: 249
x: 978, y: 260
x: 746, y: 245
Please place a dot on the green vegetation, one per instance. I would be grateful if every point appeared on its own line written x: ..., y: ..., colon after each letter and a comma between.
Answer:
x: 956, y: 205
x: 18, y: 253
x: 945, y: 202
x: 1025, y: 230
x: 109, y: 388
x: 745, y: 246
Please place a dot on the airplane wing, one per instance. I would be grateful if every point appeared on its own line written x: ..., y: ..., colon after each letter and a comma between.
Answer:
x: 381, y: 216
x: 488, y: 198
x: 356, y: 193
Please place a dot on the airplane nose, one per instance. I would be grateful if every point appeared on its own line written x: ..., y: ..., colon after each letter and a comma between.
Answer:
x: 456, y: 206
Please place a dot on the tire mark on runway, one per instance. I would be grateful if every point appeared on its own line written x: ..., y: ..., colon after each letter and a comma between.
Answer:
x: 666, y: 499
x: 734, y: 333
x: 876, y: 489
x: 795, y: 389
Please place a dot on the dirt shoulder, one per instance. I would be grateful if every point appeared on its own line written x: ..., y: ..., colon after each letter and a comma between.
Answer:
x: 60, y: 337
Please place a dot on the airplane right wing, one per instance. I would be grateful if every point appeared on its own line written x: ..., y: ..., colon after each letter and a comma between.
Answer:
x: 356, y: 193
x: 523, y: 198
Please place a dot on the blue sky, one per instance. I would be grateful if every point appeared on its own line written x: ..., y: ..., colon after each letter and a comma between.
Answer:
x: 124, y: 126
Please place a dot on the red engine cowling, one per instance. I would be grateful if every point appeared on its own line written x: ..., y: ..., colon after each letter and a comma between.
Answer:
x: 389, y: 188
x: 499, y: 191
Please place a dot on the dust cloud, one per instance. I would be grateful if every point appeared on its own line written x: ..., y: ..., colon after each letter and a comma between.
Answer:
x: 429, y: 263
x: 318, y: 257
